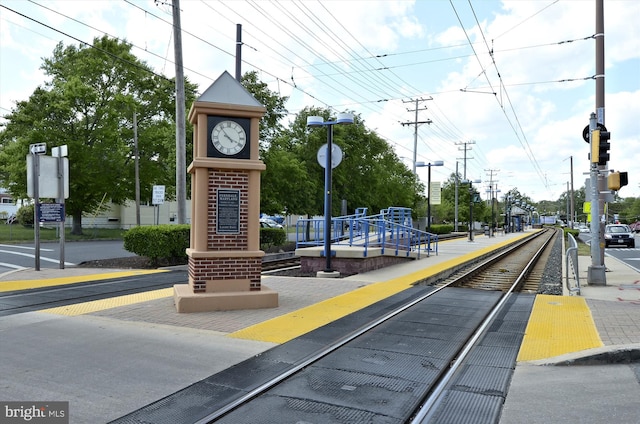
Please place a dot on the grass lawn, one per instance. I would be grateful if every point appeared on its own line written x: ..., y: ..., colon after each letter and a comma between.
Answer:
x: 17, y: 233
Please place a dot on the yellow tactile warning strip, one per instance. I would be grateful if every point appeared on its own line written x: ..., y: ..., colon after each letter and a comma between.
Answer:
x: 558, y: 325
x: 50, y: 282
x: 114, y: 302
x: 297, y: 323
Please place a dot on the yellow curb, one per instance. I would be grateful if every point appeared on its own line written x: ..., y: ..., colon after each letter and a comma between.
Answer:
x: 14, y: 285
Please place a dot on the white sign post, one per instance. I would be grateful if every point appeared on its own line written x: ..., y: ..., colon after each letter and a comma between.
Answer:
x: 157, y: 199
x: 47, y: 176
x: 36, y: 150
x: 63, y: 189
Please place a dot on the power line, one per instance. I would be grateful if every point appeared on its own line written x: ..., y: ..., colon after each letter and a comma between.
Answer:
x: 135, y: 65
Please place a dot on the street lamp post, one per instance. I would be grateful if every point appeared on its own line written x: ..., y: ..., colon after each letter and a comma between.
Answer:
x: 507, y: 216
x: 471, y: 206
x: 318, y: 121
x: 429, y: 165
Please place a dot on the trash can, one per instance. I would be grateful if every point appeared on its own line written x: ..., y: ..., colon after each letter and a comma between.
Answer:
x: 486, y: 230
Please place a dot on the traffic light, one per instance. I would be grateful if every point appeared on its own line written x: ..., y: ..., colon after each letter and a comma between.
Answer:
x: 595, y: 146
x: 600, y: 146
x: 615, y: 180
x: 605, y: 145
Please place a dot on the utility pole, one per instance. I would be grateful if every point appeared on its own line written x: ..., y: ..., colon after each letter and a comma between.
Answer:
x: 181, y: 155
x: 493, y: 223
x: 136, y: 155
x: 573, y: 201
x: 416, y: 123
x: 238, y: 52
x: 568, y: 206
x: 455, y: 220
x: 596, y: 271
x: 465, y: 148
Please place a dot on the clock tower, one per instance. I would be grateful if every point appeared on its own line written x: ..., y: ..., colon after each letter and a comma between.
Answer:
x: 225, y: 260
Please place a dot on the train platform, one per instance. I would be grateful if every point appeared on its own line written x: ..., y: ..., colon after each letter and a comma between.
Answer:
x: 111, y: 357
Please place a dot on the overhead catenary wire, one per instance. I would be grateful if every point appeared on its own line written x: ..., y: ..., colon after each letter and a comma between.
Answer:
x: 376, y: 75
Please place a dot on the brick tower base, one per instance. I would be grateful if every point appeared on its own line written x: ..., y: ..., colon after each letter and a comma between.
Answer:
x: 188, y: 301
x: 219, y: 282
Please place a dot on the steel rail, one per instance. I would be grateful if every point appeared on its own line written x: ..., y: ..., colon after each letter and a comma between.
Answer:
x: 435, y: 396
x: 320, y: 353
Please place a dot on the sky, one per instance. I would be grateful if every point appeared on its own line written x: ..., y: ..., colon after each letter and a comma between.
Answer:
x: 503, y: 89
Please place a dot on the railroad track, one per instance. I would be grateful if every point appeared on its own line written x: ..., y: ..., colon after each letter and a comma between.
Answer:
x: 281, y: 263
x: 422, y: 361
x: 498, y: 271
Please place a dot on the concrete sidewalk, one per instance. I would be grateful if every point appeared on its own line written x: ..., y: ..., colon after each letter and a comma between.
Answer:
x: 592, y: 386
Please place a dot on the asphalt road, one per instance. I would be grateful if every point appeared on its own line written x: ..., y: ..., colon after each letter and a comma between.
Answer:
x: 20, y: 256
x: 625, y: 254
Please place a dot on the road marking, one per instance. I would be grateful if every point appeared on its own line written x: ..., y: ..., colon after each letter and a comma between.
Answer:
x: 12, y: 266
x: 24, y: 247
x: 42, y: 258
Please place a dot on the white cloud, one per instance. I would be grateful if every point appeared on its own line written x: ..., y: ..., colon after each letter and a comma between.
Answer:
x: 325, y: 50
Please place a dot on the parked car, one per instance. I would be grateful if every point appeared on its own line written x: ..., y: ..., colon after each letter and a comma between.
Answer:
x: 618, y: 234
x: 269, y: 223
x: 635, y: 226
x: 584, y: 229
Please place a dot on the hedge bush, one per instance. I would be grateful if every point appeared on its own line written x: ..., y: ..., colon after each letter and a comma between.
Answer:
x: 272, y: 237
x: 441, y: 228
x: 169, y: 242
x: 568, y: 230
x: 166, y: 242
x: 25, y: 215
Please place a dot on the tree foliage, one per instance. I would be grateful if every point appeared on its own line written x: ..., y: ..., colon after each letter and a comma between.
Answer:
x: 271, y: 122
x: 88, y: 103
x: 445, y: 212
x: 370, y: 174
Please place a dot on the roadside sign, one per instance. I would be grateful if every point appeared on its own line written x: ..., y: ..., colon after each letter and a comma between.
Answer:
x: 435, y: 193
x: 50, y: 212
x: 38, y: 148
x: 158, y: 195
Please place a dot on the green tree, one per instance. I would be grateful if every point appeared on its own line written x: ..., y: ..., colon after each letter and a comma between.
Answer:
x: 370, y: 175
x: 88, y: 104
x: 446, y: 210
x: 270, y: 124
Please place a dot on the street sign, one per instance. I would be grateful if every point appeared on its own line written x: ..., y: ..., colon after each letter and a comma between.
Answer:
x: 158, y: 195
x: 38, y: 148
x: 50, y: 212
x: 336, y: 155
x: 435, y: 193
x: 48, y: 182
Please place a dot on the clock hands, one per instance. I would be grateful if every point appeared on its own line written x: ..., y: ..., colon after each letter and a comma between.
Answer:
x: 229, y: 138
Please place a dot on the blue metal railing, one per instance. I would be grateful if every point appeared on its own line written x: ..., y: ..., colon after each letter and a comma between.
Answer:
x: 390, y: 229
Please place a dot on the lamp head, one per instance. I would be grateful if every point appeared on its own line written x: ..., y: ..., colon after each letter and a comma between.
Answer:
x: 343, y: 118
x: 315, y: 121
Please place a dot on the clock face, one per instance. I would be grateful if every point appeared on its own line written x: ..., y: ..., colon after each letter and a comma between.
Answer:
x: 228, y: 137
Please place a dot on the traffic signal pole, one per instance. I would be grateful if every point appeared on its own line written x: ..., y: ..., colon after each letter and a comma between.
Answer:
x: 596, y: 272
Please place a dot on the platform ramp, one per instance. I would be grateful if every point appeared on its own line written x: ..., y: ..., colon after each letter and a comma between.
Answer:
x: 390, y: 232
